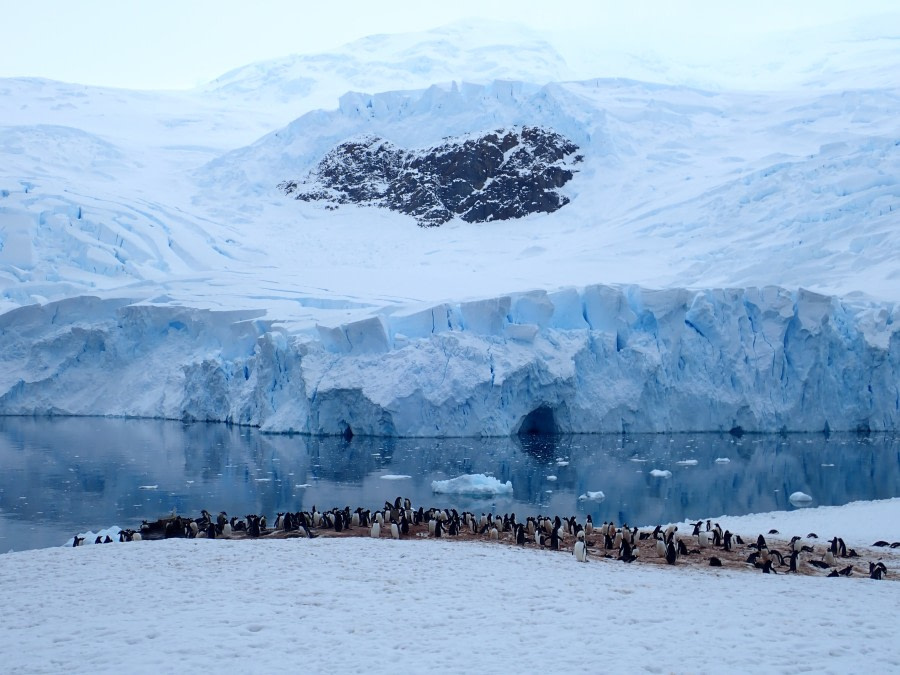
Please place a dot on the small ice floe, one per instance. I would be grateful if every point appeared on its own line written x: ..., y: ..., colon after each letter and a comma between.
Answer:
x: 561, y: 462
x: 263, y: 480
x: 551, y: 477
x: 147, y: 487
x: 722, y: 460
x: 305, y: 485
x: 473, y: 485
x: 636, y: 459
x: 395, y: 476
x: 687, y: 462
x: 800, y: 499
x: 661, y: 473
x: 589, y: 496
x: 828, y: 465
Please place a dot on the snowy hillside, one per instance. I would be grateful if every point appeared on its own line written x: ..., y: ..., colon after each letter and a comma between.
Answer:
x: 724, y: 259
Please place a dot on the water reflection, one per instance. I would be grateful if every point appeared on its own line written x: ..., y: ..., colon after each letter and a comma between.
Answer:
x: 62, y: 475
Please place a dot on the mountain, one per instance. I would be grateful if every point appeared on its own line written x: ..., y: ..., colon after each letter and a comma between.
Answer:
x: 604, y: 254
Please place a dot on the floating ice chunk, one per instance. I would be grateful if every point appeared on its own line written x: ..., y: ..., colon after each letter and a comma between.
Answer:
x: 597, y: 496
x: 661, y: 473
x: 687, y: 462
x: 722, y: 460
x: 561, y: 462
x: 477, y: 485
x: 147, y: 487
x: 828, y: 465
x: 636, y: 459
x: 395, y: 476
x: 800, y: 499
x: 551, y: 477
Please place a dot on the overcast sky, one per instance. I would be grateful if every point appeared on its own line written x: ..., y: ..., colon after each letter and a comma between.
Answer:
x: 182, y: 43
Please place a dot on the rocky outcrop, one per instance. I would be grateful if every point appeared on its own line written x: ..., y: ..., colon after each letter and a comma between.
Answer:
x: 504, y: 174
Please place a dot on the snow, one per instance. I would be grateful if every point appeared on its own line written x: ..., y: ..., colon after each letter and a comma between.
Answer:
x: 477, y: 485
x: 353, y: 587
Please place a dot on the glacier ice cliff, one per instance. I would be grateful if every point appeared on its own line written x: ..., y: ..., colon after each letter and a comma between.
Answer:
x: 585, y: 360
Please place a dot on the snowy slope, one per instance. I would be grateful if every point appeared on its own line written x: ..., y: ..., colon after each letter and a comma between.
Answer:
x: 767, y: 218
x: 449, y: 607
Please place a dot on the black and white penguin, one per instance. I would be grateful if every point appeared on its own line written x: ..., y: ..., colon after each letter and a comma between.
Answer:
x: 520, y: 534
x: 660, y: 546
x: 395, y: 530
x: 438, y: 528
x: 211, y: 531
x: 588, y: 525
x: 554, y: 539
x: 671, y: 553
x: 715, y: 562
x: 98, y: 540
x: 579, y: 550
x: 375, y: 532
x: 726, y: 540
x: 696, y: 531
x: 877, y: 570
x: 792, y: 563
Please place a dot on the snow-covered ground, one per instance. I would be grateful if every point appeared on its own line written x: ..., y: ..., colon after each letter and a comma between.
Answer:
x: 359, y: 605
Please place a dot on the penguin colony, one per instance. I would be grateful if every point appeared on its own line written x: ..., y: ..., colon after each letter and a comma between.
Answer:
x: 707, y: 544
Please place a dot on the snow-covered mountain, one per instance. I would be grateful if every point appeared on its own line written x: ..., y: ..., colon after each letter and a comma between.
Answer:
x: 724, y: 259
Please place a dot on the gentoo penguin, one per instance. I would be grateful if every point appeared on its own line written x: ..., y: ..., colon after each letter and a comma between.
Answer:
x: 438, y: 528
x: 580, y: 550
x: 395, y: 530
x: 671, y: 553
x: 793, y: 561
x: 554, y: 539
x: 375, y: 532
x: 78, y: 541
x: 520, y: 534
x: 696, y: 531
x: 588, y: 525
x: 877, y: 570
x: 660, y: 546
x: 670, y: 532
x: 717, y: 535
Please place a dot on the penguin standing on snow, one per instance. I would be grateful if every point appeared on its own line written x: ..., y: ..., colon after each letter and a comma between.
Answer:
x: 671, y: 553
x: 520, y: 535
x: 726, y: 540
x: 580, y: 549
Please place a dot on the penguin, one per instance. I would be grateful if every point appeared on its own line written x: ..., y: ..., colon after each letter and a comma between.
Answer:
x: 211, y: 531
x: 78, y: 541
x: 829, y: 558
x: 726, y: 540
x: 761, y: 542
x: 660, y: 547
x: 737, y: 538
x: 554, y: 539
x: 580, y: 549
x: 793, y: 561
x: 696, y: 531
x: 877, y: 570
x: 671, y: 553
x: 404, y: 525
x: 715, y: 562
x: 847, y: 571
x: 395, y: 530
x: 438, y: 528
x: 520, y: 535
x: 704, y: 539
x: 375, y: 532
x: 717, y: 535
x: 136, y: 536
x: 539, y: 538
x: 338, y: 522
x: 123, y: 536
x: 98, y: 540
x: 767, y: 567
x: 626, y: 553
x: 682, y: 549
x: 226, y: 531
x: 495, y: 534
x: 589, y: 525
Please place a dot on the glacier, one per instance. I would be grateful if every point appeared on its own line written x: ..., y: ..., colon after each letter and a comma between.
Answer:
x: 726, y: 259
x: 598, y: 359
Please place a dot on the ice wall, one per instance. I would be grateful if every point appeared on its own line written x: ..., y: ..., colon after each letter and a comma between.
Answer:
x: 595, y: 359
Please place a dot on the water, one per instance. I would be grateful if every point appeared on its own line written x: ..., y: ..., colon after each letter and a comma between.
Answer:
x: 59, y: 476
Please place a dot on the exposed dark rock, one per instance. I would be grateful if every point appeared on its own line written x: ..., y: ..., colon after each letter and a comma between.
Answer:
x: 500, y: 175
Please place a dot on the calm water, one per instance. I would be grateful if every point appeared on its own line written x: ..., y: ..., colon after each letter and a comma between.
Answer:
x: 59, y: 476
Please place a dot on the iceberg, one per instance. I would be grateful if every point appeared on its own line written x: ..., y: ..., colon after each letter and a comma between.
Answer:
x: 472, y: 485
x: 800, y: 499
x: 597, y: 496
x: 661, y: 473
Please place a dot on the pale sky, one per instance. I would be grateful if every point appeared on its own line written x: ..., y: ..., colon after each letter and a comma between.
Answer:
x: 176, y: 44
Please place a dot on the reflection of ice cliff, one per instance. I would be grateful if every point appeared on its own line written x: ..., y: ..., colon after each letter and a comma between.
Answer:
x: 599, y: 359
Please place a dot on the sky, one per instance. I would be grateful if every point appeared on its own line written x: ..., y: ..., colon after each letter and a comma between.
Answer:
x: 172, y: 44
